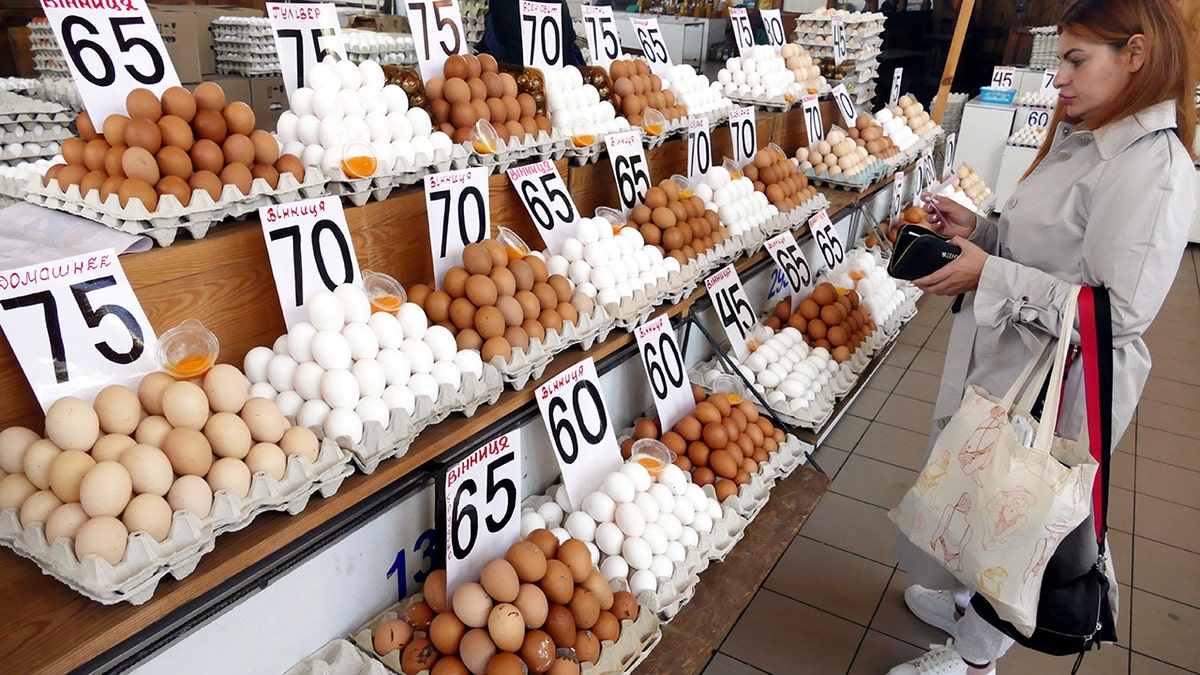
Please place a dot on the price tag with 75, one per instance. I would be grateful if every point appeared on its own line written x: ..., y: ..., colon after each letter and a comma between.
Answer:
x: 828, y: 241
x: 743, y: 34
x: 665, y: 370
x: 733, y: 308
x: 545, y: 196
x: 773, y: 23
x: 791, y: 261
x: 541, y: 34
x: 813, y: 125
x: 76, y: 326
x: 699, y: 147
x: 580, y: 428
x: 304, y: 35
x: 654, y: 48
x: 1048, y: 81
x: 629, y: 166
x: 457, y: 205
x: 601, y: 35
x: 437, y: 30
x: 743, y: 132
x: 483, y: 503
x: 112, y: 48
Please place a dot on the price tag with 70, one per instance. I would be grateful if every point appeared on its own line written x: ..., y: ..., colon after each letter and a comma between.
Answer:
x: 304, y: 35
x: 541, y: 34
x: 894, y: 96
x: 791, y: 261
x: 813, y: 125
x: 457, y: 204
x: 547, y: 200
x: 733, y: 308
x: 845, y: 104
x: 580, y: 428
x: 665, y: 370
x: 948, y: 151
x: 601, y: 35
x: 699, y: 147
x: 95, y: 332
x: 743, y: 131
x: 483, y: 504
x: 1002, y: 77
x: 112, y: 48
x: 654, y: 48
x: 773, y: 23
x: 437, y: 30
x: 839, y: 40
x: 629, y: 166
x: 310, y: 249
x: 827, y: 239
x: 743, y: 34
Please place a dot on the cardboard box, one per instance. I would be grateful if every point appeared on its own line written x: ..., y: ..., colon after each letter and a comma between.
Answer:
x: 237, y: 88
x: 268, y: 98
x: 206, y: 14
x: 187, y: 33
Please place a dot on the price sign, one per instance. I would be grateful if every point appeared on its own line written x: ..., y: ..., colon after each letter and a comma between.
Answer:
x: 699, y: 147
x: 733, y: 308
x: 1002, y: 77
x: 828, y: 241
x: 437, y: 30
x: 743, y: 34
x: 948, y: 151
x: 483, y: 506
x: 925, y: 172
x: 547, y: 200
x: 894, y: 97
x: 629, y: 166
x: 1038, y: 117
x: 541, y: 34
x: 580, y: 428
x: 773, y: 23
x: 654, y: 48
x: 897, y: 197
x: 664, y: 368
x: 76, y: 326
x: 792, y: 263
x: 845, y: 104
x: 601, y: 35
x: 304, y: 36
x: 813, y: 125
x: 1048, y: 81
x: 839, y: 40
x: 112, y: 48
x: 458, y: 209
x: 744, y: 134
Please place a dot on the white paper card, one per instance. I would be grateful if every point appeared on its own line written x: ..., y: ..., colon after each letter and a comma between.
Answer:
x: 483, y: 508
x: 304, y: 35
x: 546, y: 198
x: 669, y: 384
x: 733, y: 308
x: 457, y: 203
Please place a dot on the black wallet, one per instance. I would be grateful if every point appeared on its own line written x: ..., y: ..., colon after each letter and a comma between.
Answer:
x: 920, y: 252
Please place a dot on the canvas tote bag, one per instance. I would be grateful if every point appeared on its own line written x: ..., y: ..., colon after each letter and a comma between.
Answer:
x: 991, y: 510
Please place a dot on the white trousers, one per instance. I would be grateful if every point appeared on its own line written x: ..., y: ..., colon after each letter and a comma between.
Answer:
x: 976, y: 640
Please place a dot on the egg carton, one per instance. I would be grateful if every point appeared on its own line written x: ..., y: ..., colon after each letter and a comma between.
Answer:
x: 27, y: 153
x: 363, y: 637
x: 359, y: 191
x: 779, y: 104
x: 861, y: 181
x: 378, y: 443
x: 33, y: 132
x: 165, y: 223
x: 552, y: 146
x: 670, y: 130
x: 847, y: 17
x: 338, y: 657
x: 812, y: 417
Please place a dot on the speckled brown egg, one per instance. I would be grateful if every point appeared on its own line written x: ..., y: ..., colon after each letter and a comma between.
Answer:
x: 141, y: 164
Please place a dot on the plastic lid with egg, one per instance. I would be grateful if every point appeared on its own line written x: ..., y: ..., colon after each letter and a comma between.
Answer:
x: 385, y: 293
x: 187, y: 351
x: 651, y: 454
x: 359, y: 159
x: 731, y: 385
x: 514, y: 245
x: 734, y: 169
x: 484, y: 138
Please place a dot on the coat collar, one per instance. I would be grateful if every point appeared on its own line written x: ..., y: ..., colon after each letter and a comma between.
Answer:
x: 1112, y: 139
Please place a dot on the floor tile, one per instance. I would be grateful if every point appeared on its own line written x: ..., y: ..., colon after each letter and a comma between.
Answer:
x: 929, y: 361
x: 1121, y: 509
x: 918, y: 385
x: 868, y: 403
x: 1140, y: 664
x: 830, y: 459
x: 1121, y: 470
x: 1172, y: 418
x: 854, y: 526
x: 846, y: 432
x: 1162, y: 346
x: 938, y: 340
x: 902, y: 355
x: 1167, y: 571
x: 1168, y: 448
x: 893, y: 445
x: 1121, y: 544
x: 1167, y: 522
x: 1109, y: 660
x: 879, y: 653
x: 947, y: 321
x: 1176, y: 393
x: 830, y: 579
x: 727, y: 665
x: 914, y: 335
x: 928, y: 317
x: 907, y: 413
x: 1128, y: 442
x: 894, y: 618
x: 1168, y: 482
x: 1124, y: 616
x: 938, y: 301
x: 873, y: 481
x: 885, y: 377
x: 1174, y: 330
x: 1179, y: 370
x: 1165, y: 630
x: 776, y: 634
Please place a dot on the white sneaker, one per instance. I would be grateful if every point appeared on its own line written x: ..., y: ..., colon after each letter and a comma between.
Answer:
x: 935, y: 608
x: 939, y: 660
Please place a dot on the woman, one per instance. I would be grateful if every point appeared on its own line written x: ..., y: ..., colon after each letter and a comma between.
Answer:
x: 1107, y: 202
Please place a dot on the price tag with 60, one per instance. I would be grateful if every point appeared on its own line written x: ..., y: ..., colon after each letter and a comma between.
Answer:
x: 743, y: 34
x: 699, y: 147
x: 665, y: 370
x: 437, y: 30
x: 733, y: 308
x: 1038, y: 117
x: 629, y: 166
x: 541, y: 34
x: 827, y: 239
x: 601, y: 35
x: 483, y: 504
x: 654, y: 48
x: 791, y: 261
x: 458, y: 207
x: 76, y: 326
x: 813, y: 125
x: 743, y: 131
x: 304, y: 36
x: 839, y: 40
x: 580, y: 428
x: 773, y: 23
x: 547, y: 200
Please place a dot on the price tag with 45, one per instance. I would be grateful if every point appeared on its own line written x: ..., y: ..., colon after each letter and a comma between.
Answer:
x: 437, y: 30
x: 733, y: 308
x: 483, y: 503
x: 814, y: 126
x: 629, y: 166
x: 76, y: 326
x: 839, y: 40
x: 827, y: 239
x: 580, y: 428
x: 773, y: 23
x: 743, y: 34
x: 112, y: 48
x: 665, y: 370
x: 304, y: 35
x: 791, y: 261
x: 541, y: 34
x: 699, y: 147
x: 654, y: 48
x: 457, y: 205
x: 1002, y: 77
x: 601, y: 35
x: 547, y: 200
x: 743, y: 131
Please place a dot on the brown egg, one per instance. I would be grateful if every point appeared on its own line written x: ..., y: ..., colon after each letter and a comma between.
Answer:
x: 510, y: 84
x: 239, y: 118
x: 176, y: 186
x: 266, y: 148
x: 587, y: 646
x: 487, y: 64
x: 456, y: 90
x: 91, y: 181
x: 110, y: 186
x: 290, y: 164
x: 143, y: 103
x: 114, y: 131
x: 112, y: 161
x: 132, y: 188
x: 87, y: 130
x: 176, y: 132
x: 210, y: 124
x: 73, y: 149
x: 494, y: 347
x: 94, y: 152
x: 209, y: 96
x: 206, y: 155
x: 208, y: 182
x: 489, y: 322
x: 173, y: 161
x: 558, y: 584
x: 441, y: 111
x: 560, y: 626
x: 179, y: 102
x: 267, y: 173
x: 446, y: 632
x: 463, y: 115
x: 450, y: 665
x: 514, y: 315
x: 140, y: 163
x: 238, y: 149
x: 545, y: 540
x: 142, y: 132
x: 418, y: 655
x: 237, y: 175
x: 52, y: 173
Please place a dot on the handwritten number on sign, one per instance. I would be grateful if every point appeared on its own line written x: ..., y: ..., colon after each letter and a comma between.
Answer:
x: 546, y: 33
x: 322, y: 226
x: 733, y: 310
x: 320, y: 52
x: 481, y: 221
x: 795, y: 268
x: 565, y: 420
x: 77, y: 45
x: 538, y: 207
x: 464, y: 518
x: 830, y: 245
x: 631, y: 175
x: 449, y: 48
x: 700, y: 155
x: 425, y: 546
x: 664, y: 365
x: 652, y: 44
x: 603, y: 35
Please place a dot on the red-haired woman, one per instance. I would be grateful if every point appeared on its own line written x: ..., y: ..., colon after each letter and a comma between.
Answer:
x: 1108, y: 201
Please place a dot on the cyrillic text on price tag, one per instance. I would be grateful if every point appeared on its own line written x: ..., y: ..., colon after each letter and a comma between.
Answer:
x: 601, y: 35
x: 743, y: 34
x: 669, y: 384
x: 457, y: 204
x: 1048, y: 81
x: 76, y: 326
x: 483, y: 507
x: 897, y: 197
x: 112, y: 47
x: 437, y: 30
x: 541, y: 34
x: 733, y: 308
x: 839, y: 40
x: 654, y: 47
x: 743, y: 132
x: 1002, y: 77
x: 791, y: 261
x: 894, y: 96
x: 773, y: 23
x: 948, y: 151
x: 845, y: 104
x: 310, y: 249
x: 547, y: 200
x: 580, y: 428
x: 304, y: 36
x: 827, y: 239
x: 629, y: 166
x: 699, y: 147
x: 813, y: 125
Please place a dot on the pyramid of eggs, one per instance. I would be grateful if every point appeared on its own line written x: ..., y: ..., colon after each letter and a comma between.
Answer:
x: 473, y: 89
x: 635, y: 89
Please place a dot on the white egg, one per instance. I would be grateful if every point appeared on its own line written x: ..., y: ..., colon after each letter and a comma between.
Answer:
x: 355, y: 304
x: 323, y: 77
x: 648, y: 504
x: 614, y: 567
x: 637, y: 553
x: 599, y: 506
x: 441, y: 343
x: 631, y: 519
x: 387, y: 330
x: 326, y: 311
x: 302, y: 101
x: 331, y: 350
x: 312, y: 155
x: 638, y: 474
x: 714, y: 510
x: 670, y: 525
x: 561, y: 534
x: 343, y: 422
x: 306, y: 381
x: 469, y: 363
x: 676, y: 553
x: 662, y: 566
x: 619, y: 487
x: 362, y: 341
x: 312, y: 413
x: 397, y: 100
x: 371, y: 376
x: 674, y: 478
x: 289, y: 403
x: 413, y: 320
x: 256, y: 362
x: 371, y: 74
x: 688, y: 537
x: 609, y: 538
x: 530, y: 521
x: 332, y: 133
x: 423, y: 384
x: 373, y: 409
x: 339, y: 388
x: 656, y: 536
x: 643, y: 581
x: 422, y: 126
x: 581, y: 526
x: 395, y: 365
x: 552, y: 513
x: 399, y: 397
x: 280, y: 371
x: 287, y: 127
x: 662, y: 495
x: 445, y: 372
x: 702, y: 523
x: 420, y: 356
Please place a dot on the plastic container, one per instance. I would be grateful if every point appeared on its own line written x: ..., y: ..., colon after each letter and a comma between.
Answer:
x: 514, y: 245
x: 385, y: 293
x: 187, y: 351
x: 997, y: 95
x: 653, y: 122
x: 583, y: 133
x: 484, y: 138
x: 359, y: 159
x: 730, y: 385
x: 651, y: 454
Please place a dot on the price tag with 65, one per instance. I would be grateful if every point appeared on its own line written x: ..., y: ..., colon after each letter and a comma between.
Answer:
x: 773, y: 23
x: 791, y: 261
x: 743, y: 34
x: 580, y: 428
x: 948, y: 154
x: 813, y: 125
x: 897, y: 197
x: 629, y: 166
x: 601, y: 35
x: 827, y: 239
x: 483, y: 505
x: 743, y: 131
x: 665, y: 370
x: 304, y: 35
x: 457, y: 206
x: 699, y: 147
x: 310, y: 249
x: 437, y: 30
x: 112, y: 48
x: 894, y: 96
x: 733, y: 308
x: 545, y: 196
x: 845, y: 104
x: 541, y: 34
x: 839, y: 40
x: 654, y: 48
x: 76, y: 326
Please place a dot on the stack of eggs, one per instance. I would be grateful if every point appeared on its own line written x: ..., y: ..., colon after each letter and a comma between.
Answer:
x: 474, y: 89
x: 128, y: 461
x: 829, y: 318
x: 763, y: 74
x: 912, y: 114
x: 971, y: 186
x: 348, y: 102
x: 806, y: 73
x: 494, y: 304
x: 680, y: 226
x: 635, y: 89
x: 792, y: 376
x: 895, y: 128
x: 881, y: 295
x: 779, y: 179
x: 540, y: 597
x: 740, y: 206
x: 1039, y: 99
x: 643, y: 525
x: 913, y: 215
x: 838, y: 156
x: 173, y: 146
x: 694, y: 90
x: 570, y: 99
x: 608, y: 267
x: 867, y: 133
x: 1029, y: 136
x: 349, y: 365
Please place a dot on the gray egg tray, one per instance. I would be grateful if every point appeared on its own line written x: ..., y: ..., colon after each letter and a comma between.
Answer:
x: 359, y: 191
x: 338, y: 657
x: 530, y: 149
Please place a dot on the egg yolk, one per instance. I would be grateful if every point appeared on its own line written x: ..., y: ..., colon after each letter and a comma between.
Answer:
x: 359, y: 167
x: 654, y: 466
x: 653, y: 129
x: 484, y: 147
x: 385, y: 303
x: 515, y: 253
x: 191, y: 367
x: 583, y: 141
x: 734, y: 399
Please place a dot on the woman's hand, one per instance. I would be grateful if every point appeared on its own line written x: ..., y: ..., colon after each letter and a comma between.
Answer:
x: 959, y: 275
x: 949, y: 217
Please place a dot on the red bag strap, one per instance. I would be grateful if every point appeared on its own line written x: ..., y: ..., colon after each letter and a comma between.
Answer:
x: 1095, y: 330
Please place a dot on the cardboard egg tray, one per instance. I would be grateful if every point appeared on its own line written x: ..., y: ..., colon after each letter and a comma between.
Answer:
x: 49, y: 149
x: 670, y: 130
x: 338, y: 657
x: 527, y: 364
x: 778, y: 104
x: 379, y: 443
x: 552, y: 146
x: 165, y: 223
x: 633, y: 310
x: 359, y: 191
x: 147, y: 561
x: 859, y: 183
x: 34, y: 132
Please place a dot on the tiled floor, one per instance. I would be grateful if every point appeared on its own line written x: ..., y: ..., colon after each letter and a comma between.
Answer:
x: 834, y: 602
